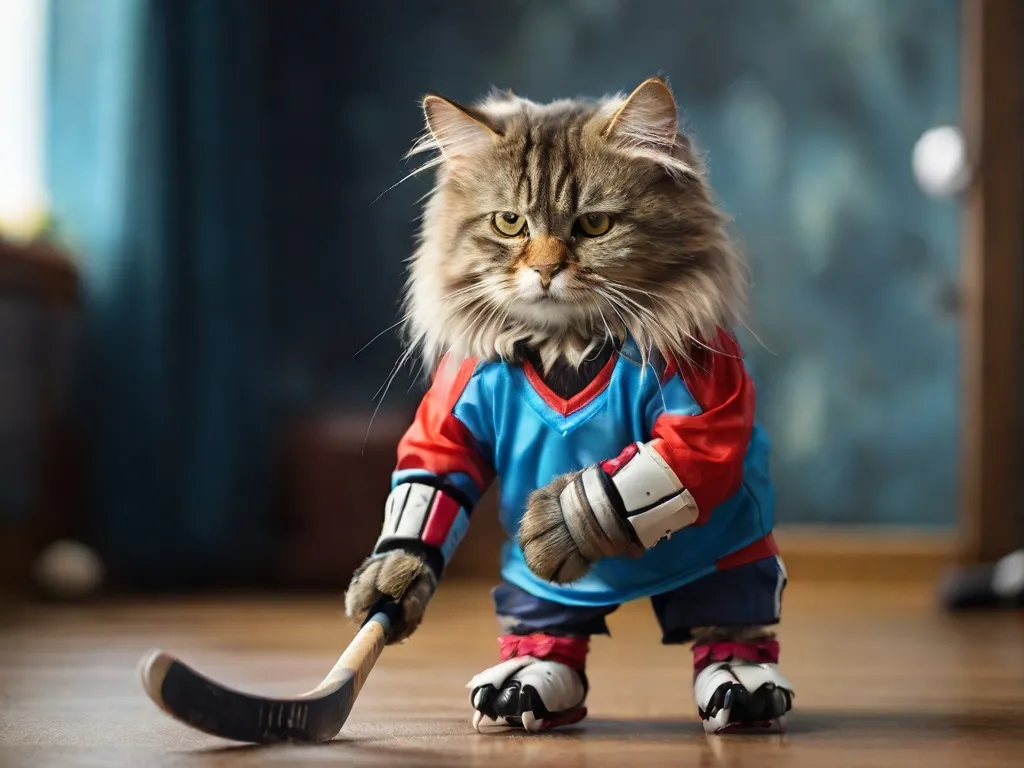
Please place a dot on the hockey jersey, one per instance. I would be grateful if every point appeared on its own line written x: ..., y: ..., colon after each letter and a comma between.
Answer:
x: 499, y: 419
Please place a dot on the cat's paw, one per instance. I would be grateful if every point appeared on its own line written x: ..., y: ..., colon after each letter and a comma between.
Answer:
x: 571, y: 523
x: 400, y: 575
x: 548, y: 546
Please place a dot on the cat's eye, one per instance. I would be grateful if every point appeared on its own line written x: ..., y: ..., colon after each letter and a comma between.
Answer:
x: 594, y: 224
x: 508, y: 224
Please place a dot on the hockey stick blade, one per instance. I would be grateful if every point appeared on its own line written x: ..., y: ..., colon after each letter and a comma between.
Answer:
x: 316, y: 716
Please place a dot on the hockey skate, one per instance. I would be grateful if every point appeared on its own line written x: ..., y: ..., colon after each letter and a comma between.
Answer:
x: 539, y: 683
x: 738, y: 686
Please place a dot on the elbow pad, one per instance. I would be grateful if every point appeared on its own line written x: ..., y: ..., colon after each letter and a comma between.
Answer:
x: 425, y: 518
x: 653, y: 500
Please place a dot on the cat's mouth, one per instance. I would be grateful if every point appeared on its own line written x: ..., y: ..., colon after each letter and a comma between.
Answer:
x: 547, y: 311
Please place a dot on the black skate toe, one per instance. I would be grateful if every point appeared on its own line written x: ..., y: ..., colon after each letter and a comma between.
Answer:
x: 767, y: 703
x: 728, y: 695
x: 483, y: 700
x: 514, y: 699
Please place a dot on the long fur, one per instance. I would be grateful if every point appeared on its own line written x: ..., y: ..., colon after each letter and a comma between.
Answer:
x: 395, y: 574
x: 548, y: 546
x: 667, y: 273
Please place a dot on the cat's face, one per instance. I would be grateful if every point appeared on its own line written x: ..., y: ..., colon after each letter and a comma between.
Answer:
x: 561, y: 224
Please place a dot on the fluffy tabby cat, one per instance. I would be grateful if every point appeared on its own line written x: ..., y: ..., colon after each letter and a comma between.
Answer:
x: 656, y: 261
x: 574, y: 291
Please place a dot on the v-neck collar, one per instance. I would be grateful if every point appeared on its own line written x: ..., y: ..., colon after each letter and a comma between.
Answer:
x: 580, y: 400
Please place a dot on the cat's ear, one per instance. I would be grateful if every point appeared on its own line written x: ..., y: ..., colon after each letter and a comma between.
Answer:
x: 646, y: 126
x: 458, y: 130
x: 648, y: 118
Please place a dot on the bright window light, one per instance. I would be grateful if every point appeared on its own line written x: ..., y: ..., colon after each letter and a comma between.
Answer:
x: 23, y: 199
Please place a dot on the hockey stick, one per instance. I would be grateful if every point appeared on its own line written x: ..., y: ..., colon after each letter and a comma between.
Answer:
x: 316, y: 716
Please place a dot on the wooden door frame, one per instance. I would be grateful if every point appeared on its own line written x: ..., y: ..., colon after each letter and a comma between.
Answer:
x: 992, y: 343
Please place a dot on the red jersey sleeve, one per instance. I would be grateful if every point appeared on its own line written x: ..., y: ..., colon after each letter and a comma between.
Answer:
x: 438, y: 443
x: 707, y: 449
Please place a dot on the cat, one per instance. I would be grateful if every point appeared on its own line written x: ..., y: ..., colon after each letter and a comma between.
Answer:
x: 666, y: 270
x: 573, y: 293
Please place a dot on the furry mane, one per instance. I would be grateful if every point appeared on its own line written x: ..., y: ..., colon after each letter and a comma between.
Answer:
x: 667, y: 273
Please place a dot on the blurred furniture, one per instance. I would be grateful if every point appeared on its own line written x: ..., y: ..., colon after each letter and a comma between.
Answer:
x: 336, y: 478
x: 40, y: 479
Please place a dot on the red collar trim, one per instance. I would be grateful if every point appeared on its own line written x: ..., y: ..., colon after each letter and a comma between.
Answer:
x: 577, y: 401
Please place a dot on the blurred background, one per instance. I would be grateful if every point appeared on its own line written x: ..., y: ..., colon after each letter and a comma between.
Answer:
x: 195, y: 247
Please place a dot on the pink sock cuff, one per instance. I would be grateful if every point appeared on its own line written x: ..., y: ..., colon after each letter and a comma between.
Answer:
x: 571, y: 651
x: 760, y: 652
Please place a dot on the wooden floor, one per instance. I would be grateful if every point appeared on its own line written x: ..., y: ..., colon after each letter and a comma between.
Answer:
x: 882, y: 679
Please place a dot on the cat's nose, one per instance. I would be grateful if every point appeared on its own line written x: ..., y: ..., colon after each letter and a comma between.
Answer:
x: 548, y: 271
x: 547, y: 256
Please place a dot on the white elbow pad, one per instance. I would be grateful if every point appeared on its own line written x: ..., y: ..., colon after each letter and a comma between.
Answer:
x: 657, y: 505
x: 420, y: 512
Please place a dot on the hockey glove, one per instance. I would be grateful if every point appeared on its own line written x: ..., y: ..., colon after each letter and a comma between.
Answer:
x: 622, y: 506
x: 424, y: 521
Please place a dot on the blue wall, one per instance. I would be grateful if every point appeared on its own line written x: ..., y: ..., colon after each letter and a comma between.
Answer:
x: 808, y: 110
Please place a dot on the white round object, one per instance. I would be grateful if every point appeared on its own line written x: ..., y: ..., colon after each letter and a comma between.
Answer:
x: 1008, y: 577
x: 940, y: 162
x: 68, y: 570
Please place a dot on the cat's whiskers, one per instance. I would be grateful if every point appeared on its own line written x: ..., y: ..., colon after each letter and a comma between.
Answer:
x: 391, y: 327
x: 687, y: 335
x: 680, y: 344
x: 485, y: 322
x: 475, y: 324
x: 757, y: 338
x: 433, y: 163
x: 402, y: 358
x: 604, y: 320
x: 622, y: 292
x: 648, y: 335
x: 469, y: 325
x: 617, y: 310
x: 640, y: 314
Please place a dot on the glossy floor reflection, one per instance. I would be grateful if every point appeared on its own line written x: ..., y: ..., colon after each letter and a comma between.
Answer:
x: 882, y: 678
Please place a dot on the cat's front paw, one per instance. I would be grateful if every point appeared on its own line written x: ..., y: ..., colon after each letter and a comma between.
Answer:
x: 548, y: 546
x: 571, y: 523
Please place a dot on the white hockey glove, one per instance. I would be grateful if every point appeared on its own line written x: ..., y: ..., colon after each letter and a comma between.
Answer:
x: 622, y: 506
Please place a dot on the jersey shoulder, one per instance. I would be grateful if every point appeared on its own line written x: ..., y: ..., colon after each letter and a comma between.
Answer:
x: 482, y: 398
x: 479, y: 379
x: 708, y: 375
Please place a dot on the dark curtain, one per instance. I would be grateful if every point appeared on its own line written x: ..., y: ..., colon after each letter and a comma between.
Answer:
x: 172, y: 404
x: 195, y: 159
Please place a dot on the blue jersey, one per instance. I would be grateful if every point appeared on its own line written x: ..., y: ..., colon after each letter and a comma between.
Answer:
x: 498, y: 418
